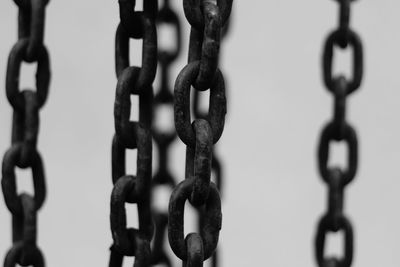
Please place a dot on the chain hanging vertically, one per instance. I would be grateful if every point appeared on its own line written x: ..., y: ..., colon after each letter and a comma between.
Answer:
x: 138, y: 81
x: 216, y: 165
x: 23, y: 152
x: 164, y: 138
x: 338, y: 130
x: 206, y: 19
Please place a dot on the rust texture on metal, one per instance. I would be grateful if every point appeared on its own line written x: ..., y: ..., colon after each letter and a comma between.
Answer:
x: 207, y: 20
x: 133, y: 80
x: 23, y: 153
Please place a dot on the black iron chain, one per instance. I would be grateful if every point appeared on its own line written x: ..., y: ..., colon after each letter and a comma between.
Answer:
x: 338, y: 130
x: 164, y: 138
x: 138, y: 81
x: 216, y: 166
x: 23, y: 152
x: 206, y: 19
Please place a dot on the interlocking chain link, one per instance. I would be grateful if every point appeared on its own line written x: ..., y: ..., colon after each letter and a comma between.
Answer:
x: 132, y: 80
x: 164, y: 138
x: 23, y: 152
x: 206, y: 19
x: 338, y: 130
x: 216, y: 166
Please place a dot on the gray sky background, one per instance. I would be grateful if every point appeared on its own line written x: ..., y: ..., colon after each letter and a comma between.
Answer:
x: 273, y: 196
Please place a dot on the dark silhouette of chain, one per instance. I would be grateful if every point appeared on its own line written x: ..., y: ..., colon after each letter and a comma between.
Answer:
x: 216, y: 166
x: 23, y: 152
x: 138, y: 81
x: 164, y: 138
x: 338, y: 130
x: 206, y: 19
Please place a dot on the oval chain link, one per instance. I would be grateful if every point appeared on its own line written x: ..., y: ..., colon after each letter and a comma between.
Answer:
x: 133, y: 80
x: 207, y: 19
x: 338, y: 130
x: 23, y: 152
x: 163, y: 138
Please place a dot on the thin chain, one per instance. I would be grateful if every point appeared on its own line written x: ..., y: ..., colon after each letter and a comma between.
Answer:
x: 339, y: 130
x: 138, y: 81
x: 23, y: 152
x: 207, y: 19
x: 164, y: 139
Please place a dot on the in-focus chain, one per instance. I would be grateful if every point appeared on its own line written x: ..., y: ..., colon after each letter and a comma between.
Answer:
x: 338, y: 130
x: 206, y: 19
x: 132, y: 80
x: 23, y: 152
x: 164, y: 138
x: 216, y: 165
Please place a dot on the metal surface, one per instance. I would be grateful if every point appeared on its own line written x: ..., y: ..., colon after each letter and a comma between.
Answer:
x: 138, y: 81
x: 338, y: 130
x: 207, y: 19
x: 23, y: 152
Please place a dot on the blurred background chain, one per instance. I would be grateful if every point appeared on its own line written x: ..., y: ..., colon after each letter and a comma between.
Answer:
x: 164, y: 138
x: 23, y: 152
x: 338, y: 130
x: 132, y: 80
x: 206, y: 18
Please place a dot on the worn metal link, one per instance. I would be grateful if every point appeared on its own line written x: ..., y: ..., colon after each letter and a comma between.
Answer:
x: 195, y: 14
x: 23, y: 152
x: 338, y: 130
x: 207, y: 19
x: 31, y: 24
x: 133, y: 80
x: 129, y: 18
x: 217, y: 108
x: 212, y: 219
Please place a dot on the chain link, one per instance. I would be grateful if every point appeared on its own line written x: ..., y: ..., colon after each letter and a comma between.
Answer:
x: 216, y: 166
x: 338, y: 130
x: 23, y: 152
x: 164, y: 139
x: 207, y: 19
x: 138, y: 81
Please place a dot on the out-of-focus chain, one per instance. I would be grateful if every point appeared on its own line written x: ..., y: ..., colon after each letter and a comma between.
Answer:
x: 206, y: 19
x: 164, y: 138
x: 23, y: 152
x: 339, y: 130
x: 132, y: 80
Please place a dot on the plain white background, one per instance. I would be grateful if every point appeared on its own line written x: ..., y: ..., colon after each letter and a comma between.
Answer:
x: 273, y: 196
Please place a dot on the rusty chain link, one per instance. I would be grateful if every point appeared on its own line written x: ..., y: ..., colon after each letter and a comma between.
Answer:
x: 206, y: 19
x: 338, y: 130
x: 132, y: 80
x: 216, y: 165
x: 23, y: 152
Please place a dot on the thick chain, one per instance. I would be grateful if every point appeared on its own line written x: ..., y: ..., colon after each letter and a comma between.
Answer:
x: 207, y: 19
x: 216, y: 166
x: 138, y: 81
x: 164, y: 139
x: 23, y: 152
x: 338, y: 130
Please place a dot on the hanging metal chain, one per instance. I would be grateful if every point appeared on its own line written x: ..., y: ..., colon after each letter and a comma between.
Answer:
x: 164, y: 139
x: 338, y: 130
x: 138, y: 81
x: 216, y: 166
x: 207, y: 19
x: 23, y: 152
